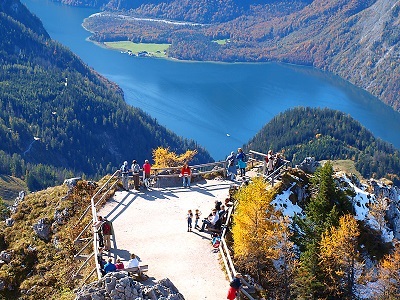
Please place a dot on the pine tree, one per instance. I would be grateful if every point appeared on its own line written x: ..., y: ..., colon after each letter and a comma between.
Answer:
x: 326, y: 205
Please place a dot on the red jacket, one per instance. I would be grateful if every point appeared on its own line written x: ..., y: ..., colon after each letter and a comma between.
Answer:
x: 185, y: 171
x: 147, y: 168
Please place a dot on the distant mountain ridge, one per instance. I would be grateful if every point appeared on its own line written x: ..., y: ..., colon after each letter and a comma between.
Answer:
x: 327, y: 134
x: 60, y: 118
x: 357, y: 39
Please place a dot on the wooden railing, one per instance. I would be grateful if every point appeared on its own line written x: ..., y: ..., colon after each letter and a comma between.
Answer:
x: 95, y: 201
x: 227, y: 259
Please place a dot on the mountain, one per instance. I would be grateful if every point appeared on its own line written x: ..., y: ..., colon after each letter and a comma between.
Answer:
x: 327, y: 134
x: 60, y: 118
x: 357, y: 40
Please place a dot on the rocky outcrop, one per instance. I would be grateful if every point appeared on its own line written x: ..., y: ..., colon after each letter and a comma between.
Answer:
x: 120, y: 286
x: 71, y: 182
x: 17, y: 201
x: 308, y: 165
x: 42, y: 229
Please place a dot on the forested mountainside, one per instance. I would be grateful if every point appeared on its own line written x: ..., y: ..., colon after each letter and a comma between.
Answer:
x: 60, y: 118
x: 357, y: 39
x: 327, y: 134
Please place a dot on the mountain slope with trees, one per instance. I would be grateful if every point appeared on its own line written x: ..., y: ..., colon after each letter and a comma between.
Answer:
x: 327, y: 134
x: 357, y: 40
x: 60, y: 118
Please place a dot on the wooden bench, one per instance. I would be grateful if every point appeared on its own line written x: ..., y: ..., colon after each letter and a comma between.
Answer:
x: 137, y: 271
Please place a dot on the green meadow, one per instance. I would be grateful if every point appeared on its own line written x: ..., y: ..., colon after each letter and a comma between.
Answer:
x: 157, y: 50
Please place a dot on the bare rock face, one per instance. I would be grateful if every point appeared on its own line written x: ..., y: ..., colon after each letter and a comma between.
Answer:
x: 308, y: 165
x: 71, y: 182
x: 42, y: 229
x: 119, y: 285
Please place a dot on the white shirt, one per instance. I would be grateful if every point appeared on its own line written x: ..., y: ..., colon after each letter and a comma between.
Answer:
x: 133, y: 263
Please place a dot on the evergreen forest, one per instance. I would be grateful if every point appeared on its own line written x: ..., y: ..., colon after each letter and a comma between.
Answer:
x: 327, y: 134
x: 59, y: 118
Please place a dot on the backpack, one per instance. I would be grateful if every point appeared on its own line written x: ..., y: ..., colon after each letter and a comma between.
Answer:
x: 244, y: 158
x: 106, y: 228
x: 266, y: 159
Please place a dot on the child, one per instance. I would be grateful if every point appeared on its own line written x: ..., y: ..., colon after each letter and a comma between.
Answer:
x: 189, y: 220
x: 197, y: 215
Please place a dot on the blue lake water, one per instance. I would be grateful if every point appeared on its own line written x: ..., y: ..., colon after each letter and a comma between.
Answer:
x: 219, y: 105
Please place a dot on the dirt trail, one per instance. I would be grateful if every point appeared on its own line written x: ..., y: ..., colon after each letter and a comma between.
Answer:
x: 152, y: 224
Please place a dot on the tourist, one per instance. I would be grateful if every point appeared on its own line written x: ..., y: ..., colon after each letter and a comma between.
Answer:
x: 135, y: 168
x: 211, y: 220
x: 241, y: 162
x: 119, y: 264
x: 102, y: 263
x: 98, y: 229
x: 231, y: 166
x: 109, y: 266
x: 107, y: 231
x: 133, y: 262
x: 189, y: 218
x: 197, y: 215
x: 125, y: 175
x: 234, y: 287
x: 185, y: 174
x: 146, y: 173
x: 222, y: 214
x: 218, y: 205
x: 270, y: 162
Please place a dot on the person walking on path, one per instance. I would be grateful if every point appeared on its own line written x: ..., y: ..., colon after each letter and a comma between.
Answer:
x: 241, y: 158
x: 125, y: 175
x: 107, y: 231
x: 189, y: 218
x: 231, y: 162
x: 146, y: 173
x: 234, y: 287
x: 185, y: 174
x: 135, y: 173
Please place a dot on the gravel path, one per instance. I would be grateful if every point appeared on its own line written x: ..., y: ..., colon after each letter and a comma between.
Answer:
x: 152, y: 224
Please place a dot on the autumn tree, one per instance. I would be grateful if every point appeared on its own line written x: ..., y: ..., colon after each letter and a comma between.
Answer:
x: 339, y: 257
x: 389, y: 276
x: 256, y: 223
x: 163, y: 157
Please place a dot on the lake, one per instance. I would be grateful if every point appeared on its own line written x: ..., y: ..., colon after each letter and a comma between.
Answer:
x: 219, y: 105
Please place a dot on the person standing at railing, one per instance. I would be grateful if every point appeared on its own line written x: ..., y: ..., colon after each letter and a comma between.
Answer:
x: 98, y: 228
x: 107, y: 232
x: 146, y: 173
x: 234, y: 287
x: 241, y: 161
x: 125, y: 175
x: 231, y: 161
x: 135, y: 168
x: 270, y: 162
x: 185, y: 174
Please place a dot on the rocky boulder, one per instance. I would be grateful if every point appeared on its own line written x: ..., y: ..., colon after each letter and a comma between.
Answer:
x: 42, y: 229
x: 119, y: 285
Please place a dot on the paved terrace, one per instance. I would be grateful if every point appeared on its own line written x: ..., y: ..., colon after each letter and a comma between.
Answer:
x: 152, y: 224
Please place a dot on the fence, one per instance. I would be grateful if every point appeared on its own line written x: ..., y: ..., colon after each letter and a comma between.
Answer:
x: 95, y: 201
x: 158, y: 173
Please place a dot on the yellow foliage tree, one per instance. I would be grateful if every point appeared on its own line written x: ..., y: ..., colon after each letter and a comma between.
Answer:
x: 256, y: 226
x: 339, y: 257
x: 164, y: 158
x: 389, y: 276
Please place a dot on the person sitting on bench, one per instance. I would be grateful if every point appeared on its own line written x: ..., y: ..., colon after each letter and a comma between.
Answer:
x: 211, y: 221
